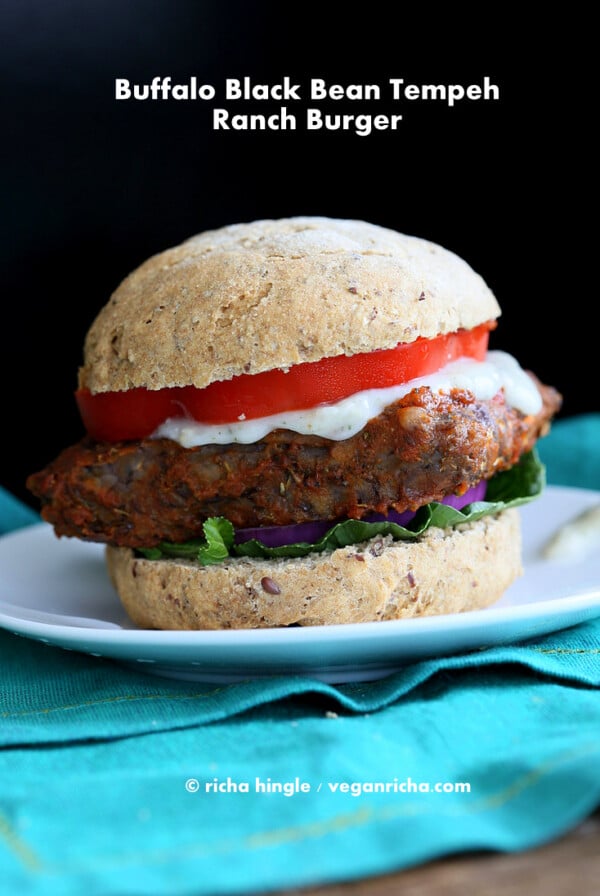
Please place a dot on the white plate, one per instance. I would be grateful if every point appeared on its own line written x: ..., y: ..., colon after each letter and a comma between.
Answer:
x: 57, y: 591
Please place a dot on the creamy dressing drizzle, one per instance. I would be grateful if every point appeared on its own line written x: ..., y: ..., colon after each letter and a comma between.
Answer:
x: 345, y: 418
x: 578, y: 538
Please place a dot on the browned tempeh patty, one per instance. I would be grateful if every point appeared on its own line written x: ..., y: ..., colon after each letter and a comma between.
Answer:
x: 420, y: 449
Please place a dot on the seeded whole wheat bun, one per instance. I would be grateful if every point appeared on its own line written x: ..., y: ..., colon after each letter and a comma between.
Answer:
x: 270, y: 294
x: 273, y: 293
x: 444, y: 571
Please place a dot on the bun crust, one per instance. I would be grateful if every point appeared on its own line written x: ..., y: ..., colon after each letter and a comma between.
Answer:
x: 445, y: 571
x: 254, y: 297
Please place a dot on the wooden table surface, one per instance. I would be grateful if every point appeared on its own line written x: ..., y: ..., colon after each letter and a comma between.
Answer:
x: 569, y: 866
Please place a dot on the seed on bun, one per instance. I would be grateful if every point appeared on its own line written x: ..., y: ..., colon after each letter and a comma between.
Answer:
x: 299, y: 422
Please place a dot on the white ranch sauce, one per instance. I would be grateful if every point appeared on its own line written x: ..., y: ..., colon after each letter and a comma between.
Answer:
x: 345, y: 418
x: 578, y: 538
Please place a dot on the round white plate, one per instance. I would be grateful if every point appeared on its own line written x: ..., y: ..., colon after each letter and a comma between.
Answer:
x: 57, y: 591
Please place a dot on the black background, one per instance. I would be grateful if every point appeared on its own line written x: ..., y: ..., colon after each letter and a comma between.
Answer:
x: 94, y: 186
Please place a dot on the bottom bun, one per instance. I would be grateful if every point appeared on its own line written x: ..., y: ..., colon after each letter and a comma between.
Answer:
x: 444, y: 571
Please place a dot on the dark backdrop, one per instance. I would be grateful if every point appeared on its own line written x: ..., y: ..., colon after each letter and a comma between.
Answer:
x: 92, y: 187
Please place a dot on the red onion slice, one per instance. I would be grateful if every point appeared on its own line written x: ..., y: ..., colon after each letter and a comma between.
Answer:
x: 311, y: 532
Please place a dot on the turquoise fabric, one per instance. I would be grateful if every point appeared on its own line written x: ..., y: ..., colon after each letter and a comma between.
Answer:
x: 571, y: 452
x: 14, y: 514
x: 108, y: 777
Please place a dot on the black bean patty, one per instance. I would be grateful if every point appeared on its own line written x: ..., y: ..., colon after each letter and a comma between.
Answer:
x: 420, y: 449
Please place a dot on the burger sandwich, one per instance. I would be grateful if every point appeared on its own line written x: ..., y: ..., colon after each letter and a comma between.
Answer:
x: 299, y: 422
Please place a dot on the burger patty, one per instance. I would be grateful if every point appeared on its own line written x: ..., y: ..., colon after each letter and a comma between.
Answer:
x: 420, y: 449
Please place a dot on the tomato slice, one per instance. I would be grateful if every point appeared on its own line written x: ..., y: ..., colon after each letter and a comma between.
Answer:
x: 136, y: 413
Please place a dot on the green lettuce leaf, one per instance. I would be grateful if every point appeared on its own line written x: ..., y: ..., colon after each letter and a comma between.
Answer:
x: 511, y: 488
x: 216, y: 545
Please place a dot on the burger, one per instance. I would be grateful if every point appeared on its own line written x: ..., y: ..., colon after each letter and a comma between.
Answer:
x: 300, y: 422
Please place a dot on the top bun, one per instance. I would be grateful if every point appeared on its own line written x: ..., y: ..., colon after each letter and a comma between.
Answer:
x: 253, y: 297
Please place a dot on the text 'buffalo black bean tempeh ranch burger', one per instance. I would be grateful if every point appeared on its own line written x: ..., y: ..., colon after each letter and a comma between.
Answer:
x: 298, y: 422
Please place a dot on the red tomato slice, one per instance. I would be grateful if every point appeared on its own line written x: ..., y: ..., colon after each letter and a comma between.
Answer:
x: 136, y: 413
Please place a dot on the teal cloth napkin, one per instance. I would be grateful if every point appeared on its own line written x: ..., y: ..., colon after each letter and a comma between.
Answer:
x: 14, y: 514
x: 114, y: 782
